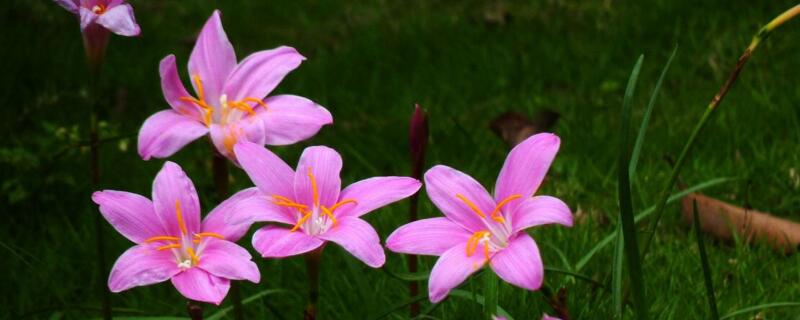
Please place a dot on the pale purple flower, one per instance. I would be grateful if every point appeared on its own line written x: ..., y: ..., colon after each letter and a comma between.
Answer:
x: 172, y: 243
x: 478, y: 228
x: 311, y: 201
x: 97, y: 18
x: 228, y: 104
x: 549, y: 317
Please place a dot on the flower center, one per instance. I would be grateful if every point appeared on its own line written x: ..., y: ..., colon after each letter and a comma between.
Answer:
x: 187, y: 249
x: 479, y: 238
x: 318, y: 218
x: 229, y: 110
x: 99, y: 9
x: 497, y: 228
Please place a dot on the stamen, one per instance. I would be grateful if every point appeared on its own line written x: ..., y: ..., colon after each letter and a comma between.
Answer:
x: 257, y: 101
x: 341, y: 203
x: 474, y: 241
x: 471, y: 206
x: 169, y: 246
x: 161, y: 238
x: 200, y: 92
x: 209, y: 234
x: 500, y: 205
x: 179, y: 214
x: 300, y: 222
x: 99, y: 9
x: 195, y: 258
x: 313, y: 187
x: 242, y: 106
x: 329, y: 214
x: 201, y: 100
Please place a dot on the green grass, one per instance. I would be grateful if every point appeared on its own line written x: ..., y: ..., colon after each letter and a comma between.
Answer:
x: 369, y: 62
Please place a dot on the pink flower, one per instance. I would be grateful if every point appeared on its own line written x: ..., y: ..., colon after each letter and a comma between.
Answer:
x: 97, y: 17
x: 478, y: 228
x: 311, y: 201
x: 549, y: 317
x: 172, y: 243
x: 229, y: 104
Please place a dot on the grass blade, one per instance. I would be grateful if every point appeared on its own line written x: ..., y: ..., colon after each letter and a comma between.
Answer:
x: 647, y: 212
x: 760, y: 307
x: 224, y: 311
x: 627, y: 219
x: 400, y: 306
x: 490, y: 290
x: 479, y: 300
x: 616, y: 276
x: 712, y: 299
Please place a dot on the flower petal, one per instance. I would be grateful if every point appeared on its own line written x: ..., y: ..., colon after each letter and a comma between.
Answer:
x: 173, y: 89
x: 541, y: 210
x: 87, y: 18
x: 233, y: 217
x: 444, y: 184
x: 276, y: 242
x: 267, y: 171
x: 359, y: 238
x: 452, y: 268
x: 431, y: 236
x: 260, y: 72
x: 373, y: 193
x: 130, y: 214
x: 120, y: 20
x: 227, y: 260
x: 519, y: 263
x: 199, y: 285
x: 170, y: 187
x: 324, y: 164
x: 212, y: 59
x: 525, y: 168
x: 166, y: 132
x: 142, y: 265
x: 70, y: 5
x: 289, y: 119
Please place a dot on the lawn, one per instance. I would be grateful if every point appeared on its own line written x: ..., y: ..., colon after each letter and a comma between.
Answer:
x: 369, y: 62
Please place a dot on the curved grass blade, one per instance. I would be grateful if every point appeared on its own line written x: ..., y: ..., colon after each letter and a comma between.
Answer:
x: 408, y: 276
x: 224, y: 311
x: 647, y: 212
x: 712, y: 299
x: 627, y: 218
x: 760, y: 307
x: 616, y: 276
x: 400, y: 306
x: 491, y: 291
x: 479, y: 300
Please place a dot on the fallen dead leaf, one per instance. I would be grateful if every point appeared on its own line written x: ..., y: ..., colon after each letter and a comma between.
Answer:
x: 514, y: 127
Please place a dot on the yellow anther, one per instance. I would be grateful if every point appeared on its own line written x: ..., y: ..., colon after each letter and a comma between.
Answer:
x: 300, y: 222
x: 242, y: 106
x: 200, y: 101
x: 169, y: 246
x: 179, y: 214
x: 313, y: 187
x: 161, y: 238
x: 495, y: 213
x: 341, y: 203
x: 471, y: 206
x: 329, y: 214
x: 199, y: 84
x: 195, y: 258
x: 209, y: 234
x: 474, y: 241
x: 257, y: 101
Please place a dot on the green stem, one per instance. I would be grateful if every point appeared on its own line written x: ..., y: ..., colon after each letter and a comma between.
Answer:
x: 762, y: 34
x: 712, y: 299
x: 490, y: 294
x: 219, y: 166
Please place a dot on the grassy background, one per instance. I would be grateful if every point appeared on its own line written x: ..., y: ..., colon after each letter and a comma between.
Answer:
x: 368, y: 62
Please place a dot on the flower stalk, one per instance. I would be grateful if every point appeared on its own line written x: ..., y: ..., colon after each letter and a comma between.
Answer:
x: 219, y: 166
x: 312, y: 268
x: 762, y: 34
x: 418, y: 141
x: 195, y: 310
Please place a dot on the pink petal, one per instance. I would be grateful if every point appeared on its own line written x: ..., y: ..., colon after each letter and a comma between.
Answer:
x: 233, y: 217
x: 276, y: 242
x: 431, y: 236
x: 519, y: 263
x: 212, y: 59
x: 87, y: 18
x: 267, y: 171
x: 549, y: 317
x: 142, y: 265
x: 325, y: 165
x: 541, y: 210
x: 452, y: 268
x: 289, y: 119
x: 199, y: 285
x: 227, y: 260
x: 525, y: 168
x: 443, y: 184
x: 259, y: 73
x: 166, y: 132
x: 373, y: 193
x: 359, y: 238
x: 173, y: 89
x: 70, y: 5
x: 170, y: 187
x: 120, y: 20
x: 225, y: 137
x: 130, y: 214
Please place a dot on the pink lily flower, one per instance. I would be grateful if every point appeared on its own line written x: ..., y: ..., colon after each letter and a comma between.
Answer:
x: 172, y: 243
x: 312, y: 202
x: 97, y: 17
x: 229, y: 104
x: 477, y: 228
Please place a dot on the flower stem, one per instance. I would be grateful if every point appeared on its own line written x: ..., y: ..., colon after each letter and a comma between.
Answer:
x: 219, y: 166
x: 418, y: 141
x: 490, y: 294
x: 195, y: 310
x: 312, y: 268
x: 762, y: 34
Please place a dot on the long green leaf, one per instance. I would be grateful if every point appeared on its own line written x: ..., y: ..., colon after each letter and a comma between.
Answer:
x: 711, y: 297
x: 424, y: 275
x: 479, y: 300
x: 616, y: 276
x: 647, y: 212
x: 490, y: 292
x: 627, y: 218
x: 224, y: 311
x: 760, y: 307
x: 400, y: 306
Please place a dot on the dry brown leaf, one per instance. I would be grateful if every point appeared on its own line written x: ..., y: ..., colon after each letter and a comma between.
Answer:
x: 514, y: 127
x: 721, y: 220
